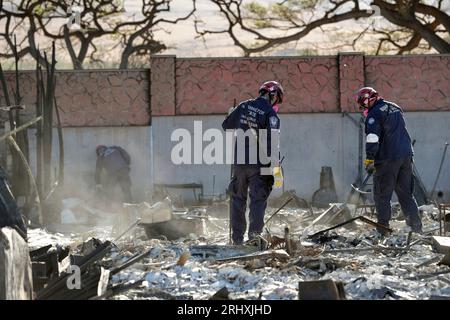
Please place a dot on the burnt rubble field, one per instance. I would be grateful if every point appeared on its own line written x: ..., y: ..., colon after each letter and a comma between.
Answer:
x: 285, y: 263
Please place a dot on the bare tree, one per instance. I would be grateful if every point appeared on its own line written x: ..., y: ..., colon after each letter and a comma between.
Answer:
x: 139, y: 39
x: 80, y: 24
x: 292, y: 20
x: 14, y: 22
x: 420, y: 20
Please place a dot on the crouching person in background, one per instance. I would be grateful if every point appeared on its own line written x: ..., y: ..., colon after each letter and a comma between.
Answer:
x: 113, y: 168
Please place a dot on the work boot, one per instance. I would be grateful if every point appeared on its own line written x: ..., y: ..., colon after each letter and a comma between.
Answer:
x: 382, y: 231
x: 237, y: 242
x: 253, y: 235
x: 414, y: 226
x: 257, y: 241
x: 377, y: 236
x: 237, y: 239
x: 417, y: 229
x: 251, y: 242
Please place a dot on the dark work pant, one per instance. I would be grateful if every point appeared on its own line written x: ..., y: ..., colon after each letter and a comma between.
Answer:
x: 122, y: 178
x: 248, y: 179
x: 396, y: 175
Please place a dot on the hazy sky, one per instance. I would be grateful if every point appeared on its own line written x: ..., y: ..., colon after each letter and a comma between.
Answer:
x: 181, y: 41
x: 182, y: 35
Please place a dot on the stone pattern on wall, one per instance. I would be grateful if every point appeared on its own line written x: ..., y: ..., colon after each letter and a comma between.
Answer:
x: 351, y: 78
x: 93, y: 98
x: 163, y: 85
x: 313, y: 84
x: 202, y: 86
x: 416, y: 83
x: 209, y: 86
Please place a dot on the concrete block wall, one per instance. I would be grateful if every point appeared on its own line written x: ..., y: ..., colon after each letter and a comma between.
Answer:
x: 209, y: 86
x: 308, y: 142
x: 80, y: 157
x: 417, y: 83
x: 325, y: 84
x: 92, y: 98
x: 205, y: 86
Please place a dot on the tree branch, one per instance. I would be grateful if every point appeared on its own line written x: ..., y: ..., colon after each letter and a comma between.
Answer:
x: 399, y: 17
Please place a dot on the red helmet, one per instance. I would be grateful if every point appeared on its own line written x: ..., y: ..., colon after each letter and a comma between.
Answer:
x: 272, y: 87
x: 366, y: 95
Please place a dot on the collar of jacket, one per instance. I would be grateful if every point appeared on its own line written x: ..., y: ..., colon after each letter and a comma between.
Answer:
x: 377, y: 104
x: 264, y: 100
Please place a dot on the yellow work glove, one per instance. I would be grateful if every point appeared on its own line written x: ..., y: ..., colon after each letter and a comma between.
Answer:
x: 370, y: 166
x: 277, y: 177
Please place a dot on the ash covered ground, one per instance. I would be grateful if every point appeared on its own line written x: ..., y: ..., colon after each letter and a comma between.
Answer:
x: 196, y: 266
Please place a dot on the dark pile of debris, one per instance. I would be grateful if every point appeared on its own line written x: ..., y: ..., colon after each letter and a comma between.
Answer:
x: 305, y: 253
x: 63, y: 274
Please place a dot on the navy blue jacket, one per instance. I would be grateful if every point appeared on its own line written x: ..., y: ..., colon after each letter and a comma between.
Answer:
x: 256, y: 114
x: 113, y: 159
x: 387, y: 136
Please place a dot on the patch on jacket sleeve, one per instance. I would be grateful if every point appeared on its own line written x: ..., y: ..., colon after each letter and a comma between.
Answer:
x: 372, y: 138
x: 273, y: 121
x: 371, y: 121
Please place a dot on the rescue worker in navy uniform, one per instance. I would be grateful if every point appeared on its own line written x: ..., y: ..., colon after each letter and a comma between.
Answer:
x: 259, y: 113
x: 389, y: 155
x: 115, y: 161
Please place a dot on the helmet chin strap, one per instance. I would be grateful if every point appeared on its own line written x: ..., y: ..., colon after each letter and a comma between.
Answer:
x: 367, y: 105
x: 273, y: 100
x: 365, y: 112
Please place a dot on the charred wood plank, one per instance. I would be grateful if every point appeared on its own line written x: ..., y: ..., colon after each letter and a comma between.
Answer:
x: 60, y: 284
x: 15, y: 267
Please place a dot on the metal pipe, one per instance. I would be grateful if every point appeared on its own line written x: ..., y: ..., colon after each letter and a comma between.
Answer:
x: 360, y: 125
x: 278, y: 210
x: 439, y: 171
x: 230, y: 231
x: 28, y: 169
x: 22, y: 127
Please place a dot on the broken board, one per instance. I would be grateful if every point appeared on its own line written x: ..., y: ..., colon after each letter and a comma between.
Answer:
x: 221, y: 251
x: 321, y: 290
x: 269, y: 254
x: 159, y: 212
x: 16, y: 281
x: 441, y: 244
x: 335, y: 214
